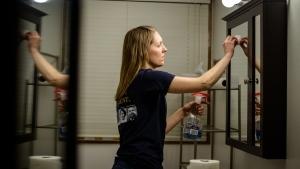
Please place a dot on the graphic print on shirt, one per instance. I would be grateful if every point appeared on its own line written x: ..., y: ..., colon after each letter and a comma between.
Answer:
x: 126, y: 110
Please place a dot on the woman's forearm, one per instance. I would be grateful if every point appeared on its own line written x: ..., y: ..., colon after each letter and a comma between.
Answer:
x: 174, y: 119
x: 211, y: 76
x: 203, y: 82
x: 51, y: 74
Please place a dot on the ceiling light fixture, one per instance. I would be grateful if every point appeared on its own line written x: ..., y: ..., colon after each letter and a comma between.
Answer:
x: 40, y: 1
x: 230, y: 3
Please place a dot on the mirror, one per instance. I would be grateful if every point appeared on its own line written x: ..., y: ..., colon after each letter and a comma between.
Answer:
x: 37, y: 116
x: 29, y: 19
x: 260, y: 127
x: 239, y: 98
x: 257, y: 119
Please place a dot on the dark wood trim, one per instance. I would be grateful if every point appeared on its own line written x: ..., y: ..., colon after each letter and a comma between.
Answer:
x: 71, y: 140
x: 30, y: 13
x: 115, y: 140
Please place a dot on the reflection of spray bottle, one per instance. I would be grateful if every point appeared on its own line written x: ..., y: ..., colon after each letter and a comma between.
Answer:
x: 257, y: 117
x: 61, y: 101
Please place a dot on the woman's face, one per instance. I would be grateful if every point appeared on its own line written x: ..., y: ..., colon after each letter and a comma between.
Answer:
x: 157, y: 51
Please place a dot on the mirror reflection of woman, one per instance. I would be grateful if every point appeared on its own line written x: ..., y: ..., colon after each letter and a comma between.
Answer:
x: 50, y: 73
x: 244, y: 45
x: 57, y: 79
x: 144, y: 88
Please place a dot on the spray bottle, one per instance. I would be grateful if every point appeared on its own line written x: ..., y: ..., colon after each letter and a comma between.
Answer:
x: 192, y: 127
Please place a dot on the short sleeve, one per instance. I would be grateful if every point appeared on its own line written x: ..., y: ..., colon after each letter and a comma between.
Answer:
x: 157, y: 80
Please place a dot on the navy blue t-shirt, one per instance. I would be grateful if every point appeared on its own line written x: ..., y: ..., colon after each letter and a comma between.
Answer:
x: 141, y: 117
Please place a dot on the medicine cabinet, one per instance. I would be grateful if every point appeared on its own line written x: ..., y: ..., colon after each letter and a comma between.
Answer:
x: 29, y: 19
x: 258, y: 110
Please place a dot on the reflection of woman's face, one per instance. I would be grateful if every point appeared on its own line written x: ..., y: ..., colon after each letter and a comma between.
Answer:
x: 122, y: 114
x: 157, y: 51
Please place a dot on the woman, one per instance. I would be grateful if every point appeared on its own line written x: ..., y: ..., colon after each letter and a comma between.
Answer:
x: 142, y: 89
x: 59, y: 80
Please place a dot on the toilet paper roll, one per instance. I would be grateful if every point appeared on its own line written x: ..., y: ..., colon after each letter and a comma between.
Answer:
x: 204, y: 164
x: 45, y: 162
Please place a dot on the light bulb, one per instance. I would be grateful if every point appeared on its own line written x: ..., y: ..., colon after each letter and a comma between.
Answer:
x: 236, y: 1
x: 40, y: 1
x: 228, y: 3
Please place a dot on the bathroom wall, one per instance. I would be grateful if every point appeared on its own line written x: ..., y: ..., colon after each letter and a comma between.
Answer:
x: 242, y: 160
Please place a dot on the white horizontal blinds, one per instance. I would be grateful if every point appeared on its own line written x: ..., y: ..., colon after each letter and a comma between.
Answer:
x: 195, y: 29
x: 102, y: 33
x: 104, y: 25
x: 203, y: 36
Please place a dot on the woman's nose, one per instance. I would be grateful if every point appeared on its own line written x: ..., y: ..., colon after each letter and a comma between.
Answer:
x: 165, y: 49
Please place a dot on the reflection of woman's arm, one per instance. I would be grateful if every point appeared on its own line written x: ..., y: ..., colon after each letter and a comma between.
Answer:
x: 244, y: 45
x: 257, y: 65
x: 52, y: 75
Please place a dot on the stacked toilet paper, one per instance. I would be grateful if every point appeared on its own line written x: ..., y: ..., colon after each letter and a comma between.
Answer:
x: 204, y: 164
x: 45, y: 162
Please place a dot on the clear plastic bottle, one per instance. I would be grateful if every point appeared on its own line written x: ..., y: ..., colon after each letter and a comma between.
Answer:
x: 192, y: 128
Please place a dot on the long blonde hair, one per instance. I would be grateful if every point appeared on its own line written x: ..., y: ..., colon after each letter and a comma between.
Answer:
x: 135, y: 55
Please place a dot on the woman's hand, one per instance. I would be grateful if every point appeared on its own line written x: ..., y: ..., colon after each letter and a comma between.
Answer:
x: 34, y: 40
x: 193, y: 107
x: 244, y: 45
x: 229, y: 44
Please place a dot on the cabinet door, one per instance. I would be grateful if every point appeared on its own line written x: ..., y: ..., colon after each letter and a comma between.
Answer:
x: 26, y: 75
x: 239, y: 98
x: 256, y: 114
